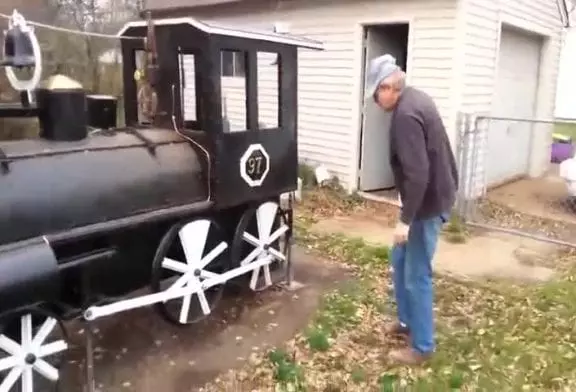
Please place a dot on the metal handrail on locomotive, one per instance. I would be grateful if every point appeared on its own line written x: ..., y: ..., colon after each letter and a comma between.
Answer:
x: 93, y: 212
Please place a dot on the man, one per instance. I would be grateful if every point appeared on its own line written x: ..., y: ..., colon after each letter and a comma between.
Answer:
x: 425, y: 174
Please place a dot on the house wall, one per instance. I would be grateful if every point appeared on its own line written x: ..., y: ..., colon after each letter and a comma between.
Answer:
x: 566, y: 92
x: 329, y: 81
x: 479, y: 32
x: 453, y: 53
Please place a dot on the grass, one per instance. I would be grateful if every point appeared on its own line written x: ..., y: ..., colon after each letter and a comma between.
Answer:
x: 454, y: 230
x: 491, y: 336
x: 566, y: 129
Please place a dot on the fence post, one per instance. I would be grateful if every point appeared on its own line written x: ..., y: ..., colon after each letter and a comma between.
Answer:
x: 461, y: 162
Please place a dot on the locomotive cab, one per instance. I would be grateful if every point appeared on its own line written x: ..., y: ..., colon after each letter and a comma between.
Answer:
x: 254, y: 161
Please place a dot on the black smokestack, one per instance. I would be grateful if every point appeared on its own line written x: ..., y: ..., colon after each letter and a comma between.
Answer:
x: 62, y: 109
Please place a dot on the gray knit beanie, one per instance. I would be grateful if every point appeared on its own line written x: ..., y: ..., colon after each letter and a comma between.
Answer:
x: 379, y: 69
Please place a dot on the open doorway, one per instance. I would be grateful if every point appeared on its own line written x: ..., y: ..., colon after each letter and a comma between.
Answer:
x: 375, y: 173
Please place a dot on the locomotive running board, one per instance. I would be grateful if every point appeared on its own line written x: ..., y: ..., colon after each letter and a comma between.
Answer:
x: 212, y: 279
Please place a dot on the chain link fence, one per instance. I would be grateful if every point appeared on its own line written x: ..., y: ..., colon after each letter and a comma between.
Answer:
x: 510, y: 176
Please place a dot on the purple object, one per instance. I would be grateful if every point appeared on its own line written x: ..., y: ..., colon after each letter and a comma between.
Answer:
x: 561, y: 151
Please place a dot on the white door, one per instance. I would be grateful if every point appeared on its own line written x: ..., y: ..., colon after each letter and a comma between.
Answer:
x: 509, y: 142
x: 375, y: 170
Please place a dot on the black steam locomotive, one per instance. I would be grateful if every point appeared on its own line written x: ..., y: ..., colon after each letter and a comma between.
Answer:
x: 91, y: 212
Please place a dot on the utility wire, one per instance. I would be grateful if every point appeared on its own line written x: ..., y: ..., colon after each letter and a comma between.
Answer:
x: 71, y: 31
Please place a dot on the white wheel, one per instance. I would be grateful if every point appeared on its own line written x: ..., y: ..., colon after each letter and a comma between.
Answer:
x: 28, y: 354
x: 189, y: 254
x: 262, y: 234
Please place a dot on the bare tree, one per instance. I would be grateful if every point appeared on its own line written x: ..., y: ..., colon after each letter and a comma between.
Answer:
x: 38, y: 10
x: 72, y: 54
x: 101, y: 16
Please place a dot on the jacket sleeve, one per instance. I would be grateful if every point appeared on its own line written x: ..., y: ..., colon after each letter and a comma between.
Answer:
x: 410, y: 146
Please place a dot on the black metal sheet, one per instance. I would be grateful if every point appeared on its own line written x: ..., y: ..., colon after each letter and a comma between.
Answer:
x: 65, y: 187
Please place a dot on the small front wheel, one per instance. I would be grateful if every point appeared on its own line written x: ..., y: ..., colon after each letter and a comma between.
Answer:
x: 30, y: 343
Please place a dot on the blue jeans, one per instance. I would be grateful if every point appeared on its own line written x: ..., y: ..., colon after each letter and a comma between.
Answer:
x: 412, y: 277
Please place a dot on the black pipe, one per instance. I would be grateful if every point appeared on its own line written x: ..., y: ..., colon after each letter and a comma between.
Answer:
x: 86, y: 258
x: 114, y: 225
x: 130, y: 221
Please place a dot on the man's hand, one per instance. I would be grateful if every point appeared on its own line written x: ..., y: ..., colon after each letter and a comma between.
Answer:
x: 401, y: 233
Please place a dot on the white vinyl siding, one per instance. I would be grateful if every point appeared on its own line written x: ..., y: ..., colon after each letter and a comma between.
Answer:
x: 453, y: 52
x: 565, y: 106
x: 482, y: 20
x: 481, y: 41
x: 328, y: 124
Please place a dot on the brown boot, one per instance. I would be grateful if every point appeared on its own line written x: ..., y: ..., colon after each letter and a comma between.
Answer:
x: 407, y: 356
x: 395, y: 328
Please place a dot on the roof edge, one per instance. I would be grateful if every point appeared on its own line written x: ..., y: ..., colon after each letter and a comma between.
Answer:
x: 220, y: 30
x: 186, y: 5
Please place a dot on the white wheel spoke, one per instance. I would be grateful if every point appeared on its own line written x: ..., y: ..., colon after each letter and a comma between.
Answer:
x: 8, y: 362
x: 26, y: 332
x: 250, y: 239
x: 27, y: 380
x: 176, y: 266
x: 275, y: 236
x: 46, y: 370
x: 254, y: 278
x: 181, y: 281
x: 267, y: 277
x: 10, y: 379
x: 278, y: 255
x: 185, y: 309
x: 251, y: 256
x: 254, y: 241
x: 265, y: 216
x: 52, y: 348
x: 217, y: 251
x: 186, y: 279
x: 10, y: 346
x: 256, y: 274
x: 47, y: 327
x: 193, y: 237
x: 208, y: 275
x: 203, y: 302
x: 278, y: 233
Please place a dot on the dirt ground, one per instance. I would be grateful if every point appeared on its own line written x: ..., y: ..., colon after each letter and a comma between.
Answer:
x: 486, y: 255
x: 138, y: 351
x: 544, y: 197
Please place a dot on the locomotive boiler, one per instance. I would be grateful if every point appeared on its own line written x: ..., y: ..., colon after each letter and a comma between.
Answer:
x: 91, y: 211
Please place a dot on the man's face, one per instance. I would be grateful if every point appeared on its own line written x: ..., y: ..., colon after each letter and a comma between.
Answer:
x: 386, y: 96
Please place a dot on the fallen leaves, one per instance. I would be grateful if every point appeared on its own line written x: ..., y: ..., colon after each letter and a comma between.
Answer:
x: 491, y: 336
x: 500, y: 215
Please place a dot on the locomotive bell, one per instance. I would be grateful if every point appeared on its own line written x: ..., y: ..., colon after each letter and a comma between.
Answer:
x: 18, y: 50
x: 62, y: 109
